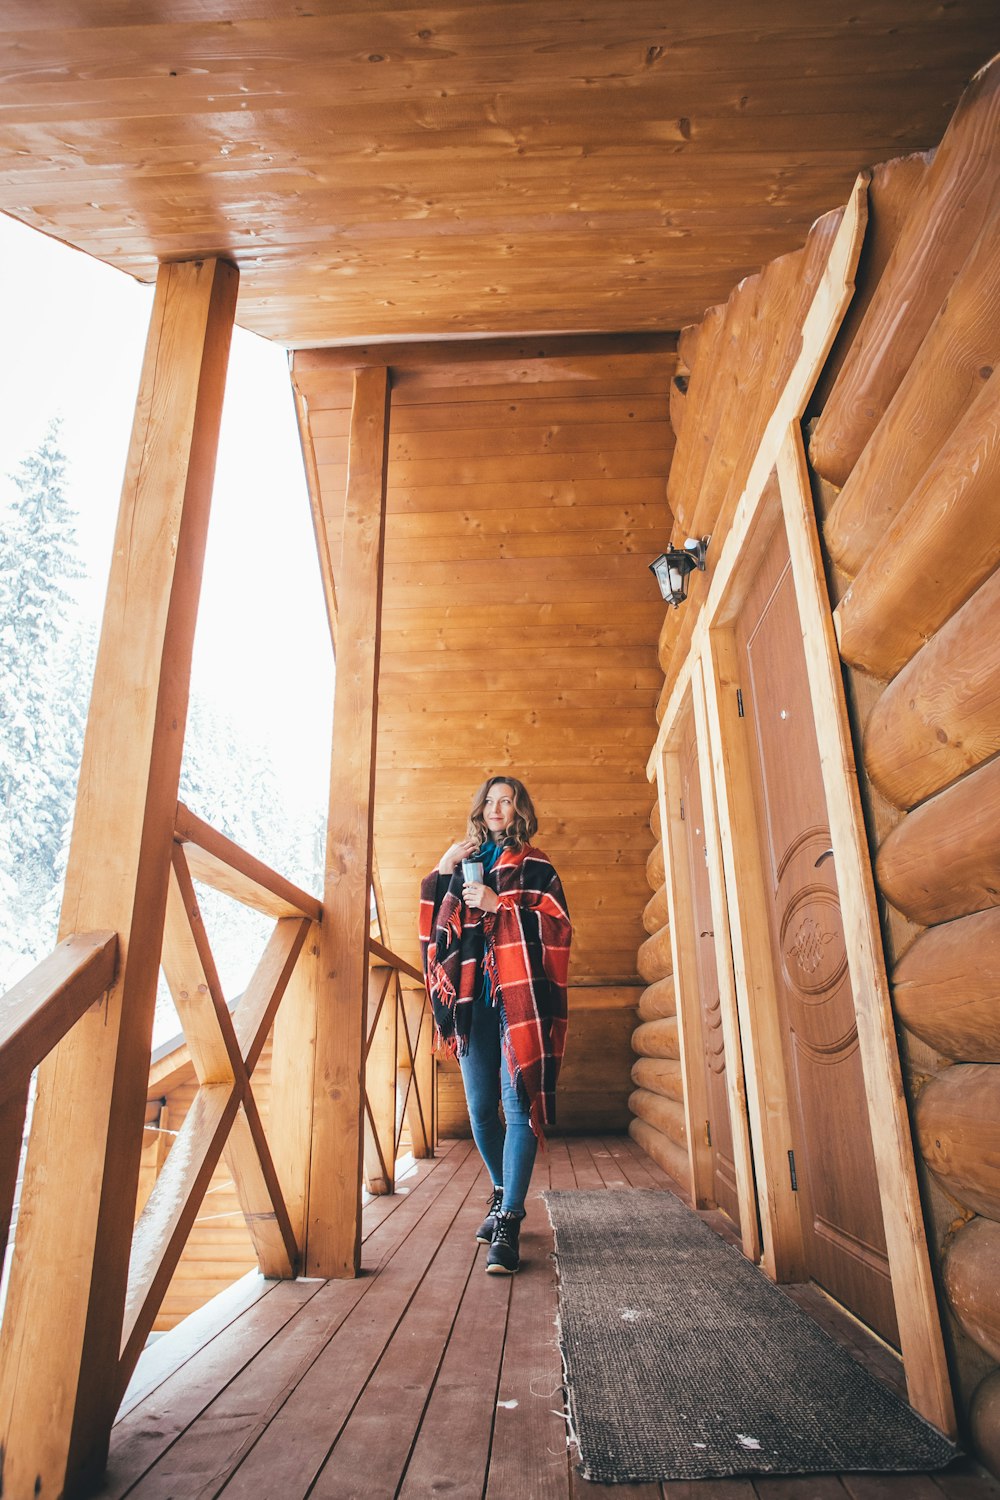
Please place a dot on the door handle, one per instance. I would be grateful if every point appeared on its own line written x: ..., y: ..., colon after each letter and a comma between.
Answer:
x: 827, y: 854
x: 708, y: 933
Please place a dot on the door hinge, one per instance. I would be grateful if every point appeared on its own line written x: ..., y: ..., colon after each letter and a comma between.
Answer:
x: 708, y: 1132
x: 739, y: 702
x: 791, y: 1171
x: 682, y: 809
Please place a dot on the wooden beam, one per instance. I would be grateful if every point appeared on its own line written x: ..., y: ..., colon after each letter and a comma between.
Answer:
x: 217, y: 862
x: 546, y: 349
x: 393, y: 961
x: 259, y: 1002
x: 927, y: 1381
x: 248, y: 1158
x: 59, y: 1347
x: 38, y: 1011
x: 194, y: 982
x: 417, y: 1030
x: 169, y: 1213
x: 293, y: 1056
x: 224, y: 1053
x: 380, y: 1082
x: 333, y: 1246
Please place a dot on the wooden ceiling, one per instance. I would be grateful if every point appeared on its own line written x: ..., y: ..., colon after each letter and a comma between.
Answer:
x: 399, y: 170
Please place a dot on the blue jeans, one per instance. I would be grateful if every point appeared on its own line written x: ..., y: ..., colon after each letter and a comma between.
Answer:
x: 509, y: 1154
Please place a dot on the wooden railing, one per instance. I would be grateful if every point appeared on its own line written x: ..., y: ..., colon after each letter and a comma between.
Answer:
x: 399, y: 1067
x: 34, y: 1016
x: 224, y: 1047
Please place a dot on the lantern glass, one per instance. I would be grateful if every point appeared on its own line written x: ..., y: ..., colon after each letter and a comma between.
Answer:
x: 671, y: 570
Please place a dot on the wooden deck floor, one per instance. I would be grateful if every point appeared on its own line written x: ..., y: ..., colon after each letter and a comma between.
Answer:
x: 423, y: 1377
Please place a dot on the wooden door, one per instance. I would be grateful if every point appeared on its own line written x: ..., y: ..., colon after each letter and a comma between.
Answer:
x: 719, y: 1127
x: 840, y: 1209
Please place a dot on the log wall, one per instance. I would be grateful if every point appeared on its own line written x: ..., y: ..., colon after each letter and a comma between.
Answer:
x: 732, y: 369
x: 905, y: 467
x: 905, y: 454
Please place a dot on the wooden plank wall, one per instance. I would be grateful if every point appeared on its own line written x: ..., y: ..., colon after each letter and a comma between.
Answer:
x: 526, y: 497
x: 905, y: 464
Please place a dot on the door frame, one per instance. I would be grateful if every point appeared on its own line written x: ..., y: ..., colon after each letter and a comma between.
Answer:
x: 779, y: 494
x: 691, y: 1035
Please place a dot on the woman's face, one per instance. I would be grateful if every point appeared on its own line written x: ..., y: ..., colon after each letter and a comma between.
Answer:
x: 498, y: 810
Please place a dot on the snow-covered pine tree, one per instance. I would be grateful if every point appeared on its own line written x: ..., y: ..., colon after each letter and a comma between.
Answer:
x: 40, y: 743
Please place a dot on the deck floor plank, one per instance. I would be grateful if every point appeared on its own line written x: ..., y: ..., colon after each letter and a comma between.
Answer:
x: 222, y: 1410
x: 374, y: 1445
x: 708, y: 1489
x: 152, y: 1428
x: 801, y: 1487
x: 201, y: 1403
x: 587, y: 1175
x: 890, y: 1487
x: 529, y: 1456
x: 611, y: 1173
x: 464, y: 1398
x: 425, y: 1377
x: 561, y: 1174
x: 172, y: 1350
x: 295, y: 1445
x: 634, y: 1172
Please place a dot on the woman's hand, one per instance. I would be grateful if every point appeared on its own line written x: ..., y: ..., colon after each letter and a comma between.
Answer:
x: 479, y: 895
x: 464, y: 850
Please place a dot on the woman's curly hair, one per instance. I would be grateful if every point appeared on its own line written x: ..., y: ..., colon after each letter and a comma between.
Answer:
x: 524, y: 823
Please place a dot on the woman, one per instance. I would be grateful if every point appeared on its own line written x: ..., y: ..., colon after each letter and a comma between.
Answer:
x: 496, y: 955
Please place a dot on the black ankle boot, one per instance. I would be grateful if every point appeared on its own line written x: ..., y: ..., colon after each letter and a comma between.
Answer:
x: 484, y: 1234
x: 504, y: 1254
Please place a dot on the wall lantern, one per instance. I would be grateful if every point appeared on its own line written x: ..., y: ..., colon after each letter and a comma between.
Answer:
x: 673, y: 566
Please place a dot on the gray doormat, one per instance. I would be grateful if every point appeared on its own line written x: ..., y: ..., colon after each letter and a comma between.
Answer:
x: 684, y: 1362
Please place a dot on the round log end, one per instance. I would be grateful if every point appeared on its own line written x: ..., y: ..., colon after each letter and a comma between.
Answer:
x: 984, y: 1422
x: 972, y: 1282
x: 655, y: 958
x: 946, y: 987
x: 958, y: 1128
x: 662, y: 1150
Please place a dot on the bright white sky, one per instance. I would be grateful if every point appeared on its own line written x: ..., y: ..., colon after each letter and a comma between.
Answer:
x: 73, y: 332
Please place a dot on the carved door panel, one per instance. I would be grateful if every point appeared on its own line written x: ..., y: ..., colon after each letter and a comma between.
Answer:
x: 833, y: 1159
x: 719, y: 1125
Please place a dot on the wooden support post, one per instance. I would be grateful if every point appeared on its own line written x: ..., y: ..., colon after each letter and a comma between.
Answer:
x: 59, y: 1349
x: 333, y: 1243
x: 921, y: 1342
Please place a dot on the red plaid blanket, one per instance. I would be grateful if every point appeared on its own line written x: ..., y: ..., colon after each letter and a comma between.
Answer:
x: 525, y: 948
